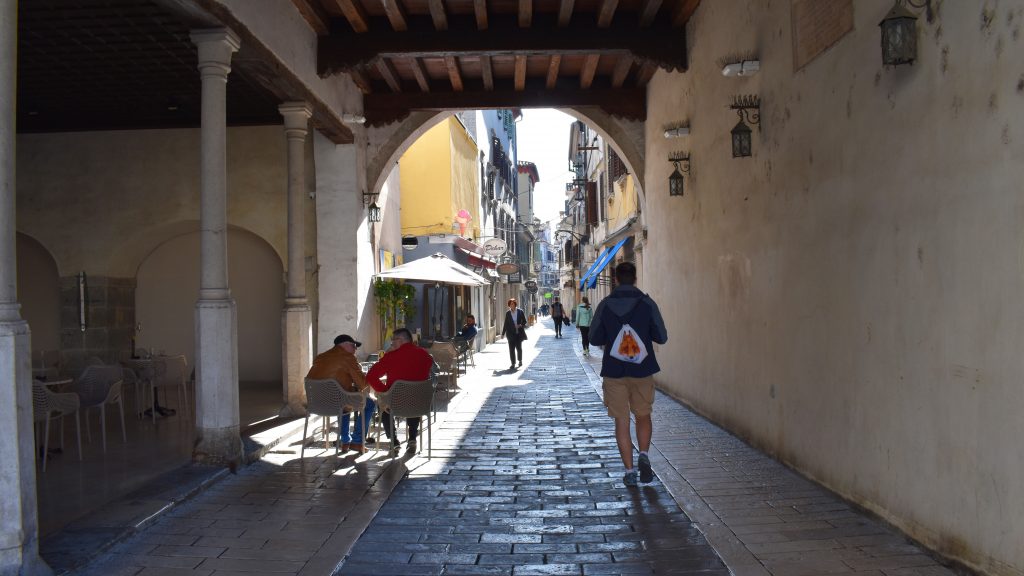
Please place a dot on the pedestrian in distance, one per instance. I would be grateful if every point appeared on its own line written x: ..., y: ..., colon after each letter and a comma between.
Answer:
x: 584, y: 315
x: 514, y: 329
x: 626, y: 324
x: 558, y: 315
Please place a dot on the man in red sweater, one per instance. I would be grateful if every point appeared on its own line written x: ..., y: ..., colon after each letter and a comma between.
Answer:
x: 404, y: 360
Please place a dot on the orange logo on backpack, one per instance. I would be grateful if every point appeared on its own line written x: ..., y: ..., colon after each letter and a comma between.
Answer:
x: 628, y: 346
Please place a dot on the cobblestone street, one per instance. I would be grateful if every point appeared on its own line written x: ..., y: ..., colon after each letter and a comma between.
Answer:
x: 524, y: 478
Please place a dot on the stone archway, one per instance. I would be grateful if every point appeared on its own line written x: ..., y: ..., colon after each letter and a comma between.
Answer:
x: 386, y: 144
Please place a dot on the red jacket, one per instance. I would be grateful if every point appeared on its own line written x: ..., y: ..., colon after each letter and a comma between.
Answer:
x: 409, y: 362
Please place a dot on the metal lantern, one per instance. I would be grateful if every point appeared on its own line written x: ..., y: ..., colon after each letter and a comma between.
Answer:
x: 675, y: 182
x: 741, y: 136
x: 899, y: 36
x: 374, y: 212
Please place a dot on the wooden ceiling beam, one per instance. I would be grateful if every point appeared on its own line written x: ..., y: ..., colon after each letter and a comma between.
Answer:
x: 354, y: 13
x: 314, y: 15
x: 661, y: 45
x: 480, y: 12
x: 525, y: 13
x: 553, y: 64
x: 387, y: 70
x: 622, y: 68
x: 396, y: 15
x: 606, y: 13
x: 589, y: 68
x: 486, y: 72
x: 454, y: 74
x: 645, y: 73
x: 648, y: 11
x: 438, y: 14
x: 361, y: 80
x: 565, y: 12
x: 683, y: 11
x: 420, y: 73
x: 629, y: 103
x: 520, y: 72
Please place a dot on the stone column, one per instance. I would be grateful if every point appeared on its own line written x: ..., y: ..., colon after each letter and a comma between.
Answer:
x: 19, y: 527
x: 217, y: 428
x: 296, y: 320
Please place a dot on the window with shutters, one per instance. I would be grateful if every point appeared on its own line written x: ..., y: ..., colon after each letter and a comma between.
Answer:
x: 592, y: 201
x: 616, y: 167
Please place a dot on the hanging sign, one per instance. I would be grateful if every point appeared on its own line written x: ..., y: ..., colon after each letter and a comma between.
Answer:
x: 507, y: 268
x: 531, y: 286
x: 495, y: 247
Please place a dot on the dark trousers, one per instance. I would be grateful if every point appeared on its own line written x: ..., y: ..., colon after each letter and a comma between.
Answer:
x: 585, y: 334
x: 515, y: 346
x: 412, y: 423
x: 558, y: 326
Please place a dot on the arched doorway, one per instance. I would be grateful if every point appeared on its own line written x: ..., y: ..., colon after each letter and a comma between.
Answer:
x: 39, y: 293
x: 166, y: 293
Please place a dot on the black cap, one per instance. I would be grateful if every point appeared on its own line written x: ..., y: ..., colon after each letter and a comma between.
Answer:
x: 346, y: 338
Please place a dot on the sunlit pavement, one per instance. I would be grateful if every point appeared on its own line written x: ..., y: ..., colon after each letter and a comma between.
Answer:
x: 524, y: 478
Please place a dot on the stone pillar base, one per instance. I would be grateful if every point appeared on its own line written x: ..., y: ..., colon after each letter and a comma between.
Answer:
x: 19, y: 527
x: 217, y: 419
x: 297, y: 340
x: 218, y: 447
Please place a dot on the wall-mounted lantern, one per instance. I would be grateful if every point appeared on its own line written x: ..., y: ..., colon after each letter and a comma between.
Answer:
x: 676, y: 181
x: 748, y: 108
x: 899, y: 32
x: 372, y: 210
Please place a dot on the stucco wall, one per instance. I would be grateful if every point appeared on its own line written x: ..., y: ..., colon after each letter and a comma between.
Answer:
x: 849, y: 297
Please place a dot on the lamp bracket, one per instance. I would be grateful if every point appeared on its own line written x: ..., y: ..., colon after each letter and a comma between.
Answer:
x: 679, y: 157
x: 926, y: 4
x: 748, y: 108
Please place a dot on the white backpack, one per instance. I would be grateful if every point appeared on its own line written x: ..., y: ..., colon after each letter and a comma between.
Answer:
x: 628, y: 346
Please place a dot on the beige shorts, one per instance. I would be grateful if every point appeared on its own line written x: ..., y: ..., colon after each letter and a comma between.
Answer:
x: 625, y: 395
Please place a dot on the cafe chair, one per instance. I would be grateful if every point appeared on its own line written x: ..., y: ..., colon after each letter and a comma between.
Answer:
x: 170, y: 372
x: 97, y: 387
x: 326, y: 398
x: 46, y: 406
x: 446, y: 356
x: 409, y: 399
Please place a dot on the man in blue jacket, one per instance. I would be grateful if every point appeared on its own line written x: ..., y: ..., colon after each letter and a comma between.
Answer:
x: 628, y: 365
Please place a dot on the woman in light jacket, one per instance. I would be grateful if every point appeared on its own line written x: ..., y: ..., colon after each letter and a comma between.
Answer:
x: 584, y: 314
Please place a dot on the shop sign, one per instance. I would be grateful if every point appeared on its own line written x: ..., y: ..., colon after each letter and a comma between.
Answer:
x: 531, y: 286
x: 495, y: 247
x: 507, y: 268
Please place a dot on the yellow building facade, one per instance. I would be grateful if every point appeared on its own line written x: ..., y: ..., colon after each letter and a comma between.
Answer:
x: 440, y: 191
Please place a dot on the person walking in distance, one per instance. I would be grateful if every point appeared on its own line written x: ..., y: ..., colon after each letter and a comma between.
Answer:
x: 584, y: 315
x: 626, y: 324
x: 558, y: 315
x: 514, y: 329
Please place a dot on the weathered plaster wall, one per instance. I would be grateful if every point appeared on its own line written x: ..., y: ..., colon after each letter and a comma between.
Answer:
x: 849, y: 297
x: 345, y: 257
x: 101, y: 201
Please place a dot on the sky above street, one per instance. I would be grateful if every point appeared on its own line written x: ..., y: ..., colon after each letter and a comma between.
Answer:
x: 543, y: 138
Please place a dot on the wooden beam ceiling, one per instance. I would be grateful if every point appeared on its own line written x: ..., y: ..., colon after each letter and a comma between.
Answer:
x: 438, y: 15
x: 396, y: 15
x: 480, y: 12
x: 342, y: 52
x: 354, y: 13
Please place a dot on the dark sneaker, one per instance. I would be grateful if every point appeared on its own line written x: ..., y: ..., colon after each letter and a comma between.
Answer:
x: 646, y: 472
x: 512, y: 367
x: 629, y: 479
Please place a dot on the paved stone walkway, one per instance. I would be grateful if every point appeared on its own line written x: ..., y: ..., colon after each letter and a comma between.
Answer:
x: 524, y: 479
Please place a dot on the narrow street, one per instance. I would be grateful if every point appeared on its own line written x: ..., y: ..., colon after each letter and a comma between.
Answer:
x: 524, y: 479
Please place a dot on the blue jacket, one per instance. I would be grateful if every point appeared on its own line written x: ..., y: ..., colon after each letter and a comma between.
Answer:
x: 628, y: 305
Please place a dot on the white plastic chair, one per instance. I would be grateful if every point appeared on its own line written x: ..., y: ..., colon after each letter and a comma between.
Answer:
x: 409, y: 399
x: 170, y: 372
x: 98, y: 386
x: 326, y: 398
x: 46, y: 406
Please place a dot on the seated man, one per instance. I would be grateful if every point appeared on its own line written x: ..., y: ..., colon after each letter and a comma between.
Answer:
x: 404, y: 360
x: 468, y: 331
x: 340, y: 363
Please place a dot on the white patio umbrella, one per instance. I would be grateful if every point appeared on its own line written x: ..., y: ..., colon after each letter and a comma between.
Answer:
x: 435, y: 268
